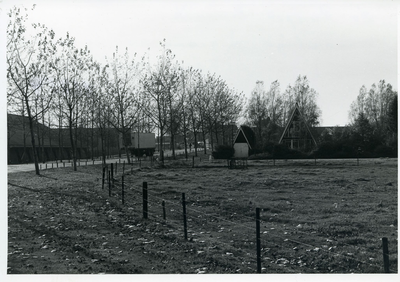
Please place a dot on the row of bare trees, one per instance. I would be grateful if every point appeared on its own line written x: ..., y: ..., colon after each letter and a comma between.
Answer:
x: 53, y: 82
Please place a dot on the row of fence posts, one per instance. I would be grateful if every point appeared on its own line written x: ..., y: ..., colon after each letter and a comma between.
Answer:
x: 184, y: 214
x: 151, y: 162
x: 86, y: 163
x: 63, y: 163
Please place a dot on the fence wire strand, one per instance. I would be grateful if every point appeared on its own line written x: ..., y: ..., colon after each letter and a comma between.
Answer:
x: 130, y: 186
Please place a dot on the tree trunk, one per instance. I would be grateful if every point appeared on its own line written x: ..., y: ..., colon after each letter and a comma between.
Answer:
x: 24, y: 137
x: 184, y: 138
x: 204, y: 137
x: 71, y: 138
x: 92, y: 138
x: 195, y: 136
x: 172, y: 140
x: 161, y: 145
x: 216, y: 133
x: 173, y: 146
x: 24, y: 133
x: 40, y: 157
x: 35, y: 157
x: 60, y: 137
x: 124, y: 141
x: 103, y: 149
x: 195, y: 143
x: 43, y: 134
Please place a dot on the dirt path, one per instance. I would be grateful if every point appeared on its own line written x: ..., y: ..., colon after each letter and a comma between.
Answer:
x: 31, y: 167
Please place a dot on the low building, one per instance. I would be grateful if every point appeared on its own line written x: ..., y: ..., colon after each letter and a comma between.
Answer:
x: 243, y: 142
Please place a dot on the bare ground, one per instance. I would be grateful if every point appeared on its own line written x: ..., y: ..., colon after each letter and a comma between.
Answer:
x: 324, y: 218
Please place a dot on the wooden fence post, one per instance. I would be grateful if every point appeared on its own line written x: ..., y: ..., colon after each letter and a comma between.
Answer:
x: 163, y: 208
x: 107, y: 174
x: 102, y: 182
x: 113, y: 182
x: 123, y: 192
x: 145, y: 201
x: 258, y: 240
x: 116, y: 168
x: 109, y: 183
x: 184, y: 215
x: 192, y: 161
x: 385, y: 254
x: 112, y: 170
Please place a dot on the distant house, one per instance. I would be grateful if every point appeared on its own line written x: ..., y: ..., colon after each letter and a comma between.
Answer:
x: 297, y: 135
x: 243, y: 142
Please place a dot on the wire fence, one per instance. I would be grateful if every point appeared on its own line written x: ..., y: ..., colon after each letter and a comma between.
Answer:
x: 202, y: 160
x: 198, y: 218
x: 327, y: 248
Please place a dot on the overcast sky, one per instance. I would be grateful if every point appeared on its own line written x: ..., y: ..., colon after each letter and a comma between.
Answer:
x: 338, y: 45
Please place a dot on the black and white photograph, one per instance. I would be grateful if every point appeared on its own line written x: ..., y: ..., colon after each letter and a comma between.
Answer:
x: 168, y: 139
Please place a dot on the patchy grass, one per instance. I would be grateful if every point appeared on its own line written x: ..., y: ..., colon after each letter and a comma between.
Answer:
x: 322, y: 218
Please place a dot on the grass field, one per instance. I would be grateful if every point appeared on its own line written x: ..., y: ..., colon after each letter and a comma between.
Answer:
x: 324, y: 218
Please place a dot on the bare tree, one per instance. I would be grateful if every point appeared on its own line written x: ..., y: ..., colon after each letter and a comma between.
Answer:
x: 160, y: 84
x: 257, y: 109
x: 124, y: 95
x: 102, y: 111
x: 306, y: 98
x: 27, y: 68
x: 70, y: 66
x: 187, y: 98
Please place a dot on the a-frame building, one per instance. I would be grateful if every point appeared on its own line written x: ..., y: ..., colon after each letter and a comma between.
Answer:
x: 242, y: 144
x: 297, y: 135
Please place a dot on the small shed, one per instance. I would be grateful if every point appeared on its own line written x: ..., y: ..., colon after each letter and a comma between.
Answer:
x: 243, y: 142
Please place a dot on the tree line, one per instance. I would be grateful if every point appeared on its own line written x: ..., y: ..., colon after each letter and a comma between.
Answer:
x: 54, y: 82
x: 372, y: 130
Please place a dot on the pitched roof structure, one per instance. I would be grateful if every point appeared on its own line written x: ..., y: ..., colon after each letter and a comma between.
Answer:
x: 241, y: 137
x: 297, y: 130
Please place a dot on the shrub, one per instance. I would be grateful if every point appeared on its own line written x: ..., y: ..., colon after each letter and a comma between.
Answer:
x: 281, y: 151
x: 223, y: 152
x: 335, y: 150
x: 269, y: 147
x: 385, y: 151
x: 260, y: 156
